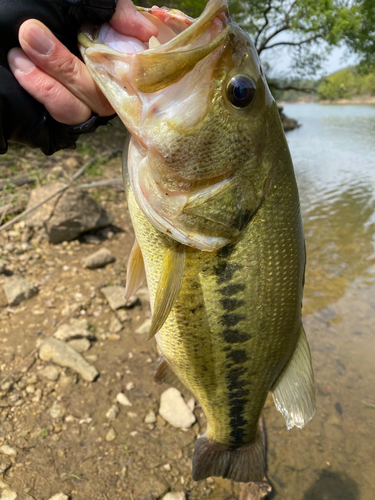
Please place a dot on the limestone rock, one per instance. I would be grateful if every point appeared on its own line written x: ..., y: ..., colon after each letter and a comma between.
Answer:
x: 80, y: 345
x: 18, y: 289
x: 64, y: 355
x: 174, y: 409
x: 78, y: 328
x: 50, y: 373
x: 144, y: 328
x: 115, y: 296
x: 59, y: 496
x: 175, y: 495
x: 8, y: 450
x: 123, y: 400
x: 98, y: 259
x: 67, y: 215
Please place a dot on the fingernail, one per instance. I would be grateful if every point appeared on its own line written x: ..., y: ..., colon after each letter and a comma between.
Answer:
x: 18, y: 60
x: 38, y: 39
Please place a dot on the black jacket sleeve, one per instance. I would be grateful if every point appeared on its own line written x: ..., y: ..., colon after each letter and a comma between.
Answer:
x: 22, y: 118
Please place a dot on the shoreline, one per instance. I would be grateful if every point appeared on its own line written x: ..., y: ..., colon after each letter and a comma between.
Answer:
x: 367, y: 100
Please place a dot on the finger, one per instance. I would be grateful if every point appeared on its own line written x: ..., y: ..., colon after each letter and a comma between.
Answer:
x: 128, y: 21
x: 56, y: 98
x: 50, y: 55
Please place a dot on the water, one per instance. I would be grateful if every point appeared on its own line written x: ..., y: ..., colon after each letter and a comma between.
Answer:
x: 333, y: 458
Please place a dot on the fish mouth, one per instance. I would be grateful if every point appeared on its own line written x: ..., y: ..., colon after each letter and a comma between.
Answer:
x: 172, y: 55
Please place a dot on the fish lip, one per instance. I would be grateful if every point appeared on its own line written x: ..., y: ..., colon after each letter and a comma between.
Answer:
x: 87, y: 36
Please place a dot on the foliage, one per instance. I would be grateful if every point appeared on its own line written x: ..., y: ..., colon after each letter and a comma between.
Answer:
x: 346, y: 84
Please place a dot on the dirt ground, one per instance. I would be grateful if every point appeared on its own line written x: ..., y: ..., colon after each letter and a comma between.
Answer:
x: 67, y: 449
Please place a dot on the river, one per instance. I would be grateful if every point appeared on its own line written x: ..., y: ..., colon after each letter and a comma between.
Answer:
x: 333, y: 458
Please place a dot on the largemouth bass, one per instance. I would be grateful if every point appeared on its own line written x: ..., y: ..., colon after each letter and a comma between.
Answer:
x: 214, y: 203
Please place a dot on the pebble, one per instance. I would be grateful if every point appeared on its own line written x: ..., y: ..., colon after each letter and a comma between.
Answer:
x: 174, y: 410
x: 115, y: 325
x: 150, y: 418
x: 98, y: 259
x: 2, y: 267
x: 132, y: 301
x: 78, y: 328
x: 8, y: 495
x: 115, y: 296
x: 8, y: 450
x: 56, y: 410
x: 64, y: 355
x: 80, y: 345
x: 91, y: 239
x: 130, y: 386
x: 59, y: 496
x: 4, y: 466
x: 175, y: 495
x: 112, y: 412
x: 144, y: 328
x: 123, y: 400
x: 123, y: 315
x: 111, y: 435
x: 18, y: 289
x: 50, y: 373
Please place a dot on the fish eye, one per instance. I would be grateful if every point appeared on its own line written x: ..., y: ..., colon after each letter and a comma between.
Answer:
x: 241, y: 91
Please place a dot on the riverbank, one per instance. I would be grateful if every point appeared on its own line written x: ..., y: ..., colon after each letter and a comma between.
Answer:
x: 368, y: 99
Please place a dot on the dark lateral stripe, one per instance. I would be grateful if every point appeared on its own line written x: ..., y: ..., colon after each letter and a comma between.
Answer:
x: 237, y: 356
x: 232, y: 319
x: 235, y: 336
x: 231, y: 304
x: 232, y: 289
x: 224, y: 271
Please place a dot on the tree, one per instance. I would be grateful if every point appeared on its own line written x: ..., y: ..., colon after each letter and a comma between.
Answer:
x: 308, y: 28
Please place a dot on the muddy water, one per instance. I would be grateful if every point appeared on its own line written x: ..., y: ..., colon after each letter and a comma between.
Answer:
x: 333, y: 458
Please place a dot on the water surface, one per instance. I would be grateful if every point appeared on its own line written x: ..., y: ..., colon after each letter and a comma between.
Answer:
x: 333, y: 458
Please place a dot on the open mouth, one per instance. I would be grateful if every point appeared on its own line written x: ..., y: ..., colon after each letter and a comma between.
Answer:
x: 181, y: 43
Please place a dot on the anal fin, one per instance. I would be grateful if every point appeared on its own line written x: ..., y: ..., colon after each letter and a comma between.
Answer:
x: 169, y: 287
x: 294, y: 390
x: 135, y: 274
x: 243, y: 464
x: 165, y: 374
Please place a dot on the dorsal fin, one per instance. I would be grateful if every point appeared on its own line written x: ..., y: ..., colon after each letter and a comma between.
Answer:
x: 135, y: 274
x: 169, y: 287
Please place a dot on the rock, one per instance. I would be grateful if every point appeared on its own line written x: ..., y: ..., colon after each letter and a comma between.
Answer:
x: 150, y: 418
x: 59, y: 496
x: 175, y: 495
x: 144, y: 295
x: 132, y: 301
x: 2, y: 267
x: 111, y: 435
x: 144, y: 328
x: 123, y: 400
x: 115, y: 325
x: 158, y: 487
x: 91, y: 239
x: 112, y: 412
x: 4, y: 466
x: 115, y: 296
x: 50, y: 373
x: 123, y: 315
x: 18, y: 289
x: 80, y: 345
x: 67, y: 215
x: 8, y: 495
x: 56, y: 410
x: 64, y: 355
x: 130, y: 386
x: 98, y: 259
x: 8, y: 450
x: 77, y: 328
x: 174, y: 410
x: 288, y: 123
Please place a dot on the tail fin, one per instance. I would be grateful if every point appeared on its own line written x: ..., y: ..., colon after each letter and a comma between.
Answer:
x: 243, y: 464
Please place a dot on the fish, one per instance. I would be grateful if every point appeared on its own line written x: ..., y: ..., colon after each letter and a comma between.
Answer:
x: 213, y: 199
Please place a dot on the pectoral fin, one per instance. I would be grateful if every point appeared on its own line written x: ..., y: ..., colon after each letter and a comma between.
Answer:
x: 135, y: 274
x: 294, y: 390
x: 169, y: 287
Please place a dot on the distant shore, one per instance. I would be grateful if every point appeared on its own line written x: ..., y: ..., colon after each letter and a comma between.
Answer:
x: 308, y: 99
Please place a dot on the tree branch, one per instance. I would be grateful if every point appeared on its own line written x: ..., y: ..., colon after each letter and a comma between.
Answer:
x: 260, y: 31
x: 294, y: 44
x: 272, y: 35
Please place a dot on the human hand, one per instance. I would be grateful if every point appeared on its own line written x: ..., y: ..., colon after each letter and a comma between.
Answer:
x: 58, y: 79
